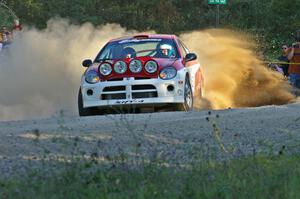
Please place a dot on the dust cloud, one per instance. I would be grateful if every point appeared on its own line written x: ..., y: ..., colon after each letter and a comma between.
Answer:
x: 40, y: 74
x: 233, y: 75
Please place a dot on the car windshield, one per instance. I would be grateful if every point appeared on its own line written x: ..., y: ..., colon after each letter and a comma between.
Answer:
x: 159, y: 48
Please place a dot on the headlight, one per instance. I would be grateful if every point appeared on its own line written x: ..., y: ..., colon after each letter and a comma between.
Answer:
x: 168, y: 73
x: 92, y: 77
x: 151, y: 67
x: 120, y: 67
x: 135, y: 66
x: 105, y: 69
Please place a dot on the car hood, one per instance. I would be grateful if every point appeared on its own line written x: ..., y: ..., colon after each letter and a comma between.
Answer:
x: 165, y: 62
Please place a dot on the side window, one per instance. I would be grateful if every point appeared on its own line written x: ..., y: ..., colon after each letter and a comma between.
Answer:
x: 183, y: 48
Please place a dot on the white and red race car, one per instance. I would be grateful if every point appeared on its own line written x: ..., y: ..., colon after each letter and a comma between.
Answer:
x: 140, y: 73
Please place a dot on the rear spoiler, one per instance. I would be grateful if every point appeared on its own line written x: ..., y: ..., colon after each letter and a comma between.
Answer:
x: 141, y: 36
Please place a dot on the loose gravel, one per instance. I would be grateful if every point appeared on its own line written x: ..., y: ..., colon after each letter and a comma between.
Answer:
x: 179, y: 138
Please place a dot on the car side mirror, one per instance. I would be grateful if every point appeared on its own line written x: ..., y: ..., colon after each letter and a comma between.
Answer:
x: 87, y: 63
x: 190, y: 57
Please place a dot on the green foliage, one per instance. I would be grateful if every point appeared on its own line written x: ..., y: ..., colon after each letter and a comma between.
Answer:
x: 5, y: 18
x: 251, y: 177
x: 273, y: 22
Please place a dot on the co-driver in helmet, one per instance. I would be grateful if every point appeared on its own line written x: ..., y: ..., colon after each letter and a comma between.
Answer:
x: 164, y: 50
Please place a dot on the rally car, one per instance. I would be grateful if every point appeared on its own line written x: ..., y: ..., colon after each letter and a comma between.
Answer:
x: 140, y: 73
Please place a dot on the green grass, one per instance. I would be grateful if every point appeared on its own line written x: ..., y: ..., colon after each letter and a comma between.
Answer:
x: 251, y: 177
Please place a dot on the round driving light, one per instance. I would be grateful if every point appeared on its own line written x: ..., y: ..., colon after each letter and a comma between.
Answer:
x: 135, y: 66
x: 105, y: 69
x: 120, y: 67
x: 151, y: 67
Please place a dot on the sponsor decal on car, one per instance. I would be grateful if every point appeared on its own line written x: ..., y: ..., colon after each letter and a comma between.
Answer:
x: 137, y: 40
x: 129, y: 101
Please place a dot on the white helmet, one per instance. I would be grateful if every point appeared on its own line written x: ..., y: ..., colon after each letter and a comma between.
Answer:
x: 169, y: 51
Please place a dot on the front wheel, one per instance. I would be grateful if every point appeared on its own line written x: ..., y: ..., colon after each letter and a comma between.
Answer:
x: 188, y: 103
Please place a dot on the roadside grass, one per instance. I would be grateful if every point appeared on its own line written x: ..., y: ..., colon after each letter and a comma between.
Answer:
x: 258, y: 176
x: 267, y: 174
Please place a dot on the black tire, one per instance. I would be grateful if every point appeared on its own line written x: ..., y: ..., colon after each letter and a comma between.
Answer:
x: 188, y: 97
x: 84, y: 111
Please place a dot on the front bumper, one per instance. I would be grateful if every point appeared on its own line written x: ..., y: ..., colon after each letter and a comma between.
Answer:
x: 132, y: 91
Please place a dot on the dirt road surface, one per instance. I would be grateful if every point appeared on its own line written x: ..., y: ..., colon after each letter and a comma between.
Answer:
x: 172, y: 137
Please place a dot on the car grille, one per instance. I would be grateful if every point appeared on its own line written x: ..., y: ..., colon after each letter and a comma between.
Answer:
x: 143, y: 91
x: 143, y: 87
x: 123, y: 92
x: 113, y: 96
x: 114, y: 88
x: 144, y: 95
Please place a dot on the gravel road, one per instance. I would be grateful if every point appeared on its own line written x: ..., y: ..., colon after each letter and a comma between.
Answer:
x: 172, y: 137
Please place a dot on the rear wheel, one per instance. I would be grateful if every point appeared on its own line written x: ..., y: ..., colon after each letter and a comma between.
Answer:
x: 188, y: 97
x: 84, y: 111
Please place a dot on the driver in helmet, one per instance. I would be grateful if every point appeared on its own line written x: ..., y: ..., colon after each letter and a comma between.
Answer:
x: 165, y: 50
x: 129, y: 52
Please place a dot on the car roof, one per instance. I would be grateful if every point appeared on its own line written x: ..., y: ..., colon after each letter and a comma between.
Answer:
x: 148, y: 36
